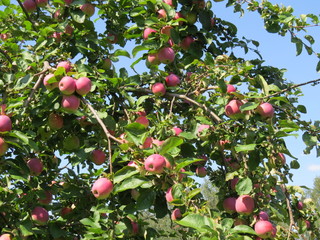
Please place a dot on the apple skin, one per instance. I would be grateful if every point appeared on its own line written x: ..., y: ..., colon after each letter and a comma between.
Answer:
x: 66, y: 65
x: 70, y: 103
x: 57, y: 36
x: 308, y: 224
x: 177, y: 131
x: 147, y: 143
x: 67, y: 85
x: 201, y: 172
x: 229, y: 204
x: 244, y: 204
x: 68, y: 2
x: 143, y: 120
x: 55, y: 121
x: 166, y: 30
x: 112, y: 38
x: 65, y: 211
x: 98, y: 156
x: 153, y: 59
x: 263, y: 229
x: 231, y: 88
x: 186, y: 42
x: 102, y: 188
x: 71, y: 143
x: 5, y: 123
x: 299, y: 205
x: 41, y: 3
x: 135, y: 227
x: 30, y: 6
x: 282, y: 158
x: 172, y: 80
x: 233, y: 107
x: 147, y: 32
x: 88, y: 9
x: 155, y: 163
x: 166, y: 55
x: 266, y: 110
x: 158, y: 89
x: 5, y: 236
x: 233, y: 183
x: 162, y: 13
x: 47, y: 199
x: 157, y: 142
x: 36, y: 166
x: 263, y: 216
x: 83, y: 85
x: 69, y: 30
x: 169, y: 2
x: 169, y: 196
x: 50, y: 86
x: 3, y: 147
x: 40, y: 215
x: 176, y: 214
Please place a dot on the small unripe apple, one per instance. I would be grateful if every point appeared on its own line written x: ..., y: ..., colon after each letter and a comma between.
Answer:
x: 88, y: 9
x: 201, y: 171
x: 166, y: 30
x: 186, y: 42
x: 40, y: 215
x: 158, y: 89
x: 70, y: 103
x: 155, y: 163
x: 166, y: 55
x: 71, y: 143
x: 244, y: 204
x: 162, y: 13
x: 172, y: 80
x: 5, y: 236
x: 66, y: 65
x: 153, y: 59
x: 176, y: 214
x: 65, y: 211
x: 3, y: 147
x: 263, y: 229
x: 50, y: 86
x: 47, y: 198
x: 102, y: 188
x: 98, y: 156
x: 35, y: 165
x: 177, y: 131
x: 41, y: 3
x: 147, y: 32
x: 169, y: 196
x: 106, y: 64
x: 191, y: 17
x: 67, y: 85
x: 55, y: 121
x: 83, y: 85
x: 266, y: 110
x: 30, y: 5
x: 233, y: 107
x: 5, y: 123
x: 231, y: 88
x: 143, y: 120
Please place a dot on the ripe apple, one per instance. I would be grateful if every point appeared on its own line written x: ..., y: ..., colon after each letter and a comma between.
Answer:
x: 177, y: 131
x: 5, y: 236
x: 50, y: 86
x: 201, y: 128
x: 166, y: 55
x: 66, y: 65
x: 308, y: 224
x: 143, y: 120
x: 65, y: 211
x: 162, y: 13
x: 83, y: 85
x: 135, y: 227
x: 266, y: 110
x: 155, y: 163
x: 67, y: 85
x: 201, y: 171
x: 57, y: 36
x: 47, y: 198
x: 186, y: 42
x: 4, y: 36
x: 71, y: 143
x: 41, y: 3
x: 299, y: 205
x: 147, y: 32
x: 169, y: 196
x: 229, y: 204
x: 263, y: 229
x: 88, y: 9
x: 263, y: 216
x: 40, y: 215
x: 166, y: 30
x: 244, y: 204
x: 147, y: 143
x: 158, y: 89
x: 231, y: 88
x: 233, y: 183
x: 35, y: 165
x: 233, y: 108
x: 30, y: 5
x: 176, y: 214
x: 172, y: 80
x: 153, y: 59
x: 157, y: 142
x: 98, y: 156
x: 68, y: 30
x: 169, y: 2
x: 5, y: 123
x: 102, y: 188
x: 70, y: 103
x: 55, y: 121
x: 68, y: 2
x: 3, y: 147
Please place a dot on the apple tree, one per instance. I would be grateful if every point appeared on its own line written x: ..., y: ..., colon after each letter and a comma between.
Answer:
x: 91, y: 150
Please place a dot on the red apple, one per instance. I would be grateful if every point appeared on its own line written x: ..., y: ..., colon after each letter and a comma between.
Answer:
x: 30, y: 5
x: 157, y: 142
x: 266, y: 110
x: 158, y: 89
x: 186, y: 42
x: 67, y: 85
x: 244, y: 204
x: 47, y: 199
x: 169, y: 196
x: 70, y: 103
x: 35, y: 165
x: 147, y: 143
x: 68, y: 30
x: 102, y: 188
x: 71, y: 143
x: 5, y: 236
x: 65, y: 211
x: 201, y: 128
x: 41, y: 3
x: 263, y: 229
x: 233, y: 108
x: 153, y: 59
x: 88, y: 9
x: 133, y: 164
x: 147, y: 32
x: 172, y: 80
x: 201, y: 171
x: 40, y: 215
x: 50, y: 86
x: 282, y: 158
x: 155, y: 163
x: 229, y: 204
x: 177, y: 131
x: 57, y: 36
x: 3, y: 147
x: 162, y: 13
x: 299, y: 205
x: 263, y: 216
x: 135, y: 227
x: 98, y: 156
x: 308, y: 224
x: 4, y: 36
x: 55, y: 121
x: 83, y: 85
x: 143, y: 120
x: 5, y: 123
x: 166, y: 30
x: 169, y: 2
x: 176, y: 214
x: 233, y: 183
x: 231, y: 88
x: 66, y: 65
x: 166, y: 55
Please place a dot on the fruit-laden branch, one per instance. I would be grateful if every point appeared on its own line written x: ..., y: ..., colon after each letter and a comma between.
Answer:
x: 27, y: 15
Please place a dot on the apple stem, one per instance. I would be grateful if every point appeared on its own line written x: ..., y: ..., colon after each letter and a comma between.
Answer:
x: 27, y: 15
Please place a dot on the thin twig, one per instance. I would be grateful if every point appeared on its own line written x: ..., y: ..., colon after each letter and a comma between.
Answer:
x: 110, y: 155
x: 171, y: 105
x: 27, y: 15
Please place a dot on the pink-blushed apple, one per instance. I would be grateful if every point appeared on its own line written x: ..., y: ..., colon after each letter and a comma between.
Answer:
x: 47, y: 198
x: 231, y: 88
x: 50, y: 86
x: 135, y: 194
x: 143, y: 120
x: 98, y: 156
x: 102, y: 188
x: 169, y: 196
x: 166, y: 55
x: 68, y: 30
x: 66, y: 65
x: 41, y: 3
x: 68, y: 2
x: 172, y: 80
x: 166, y: 30
x: 133, y: 164
x: 229, y: 204
x: 30, y: 5
x: 65, y: 211
x: 153, y: 59
x: 155, y: 163
x: 169, y: 2
x: 233, y: 183
x: 176, y: 214
x: 157, y: 142
x: 35, y: 165
x: 162, y: 13
x: 57, y: 15
x: 244, y: 204
x: 308, y: 224
x: 4, y: 36
x: 177, y: 131
x: 147, y: 32
x: 263, y: 229
x: 177, y: 16
x: 5, y: 123
x: 3, y: 147
x: 263, y: 216
x: 55, y: 121
x: 71, y: 143
x: 299, y: 205
x: 56, y: 36
x: 147, y: 143
x: 158, y: 89
x: 266, y: 110
x: 282, y: 158
x: 83, y: 85
x: 201, y: 172
x: 201, y: 128
x: 88, y: 9
x: 135, y: 227
x: 70, y: 103
x: 233, y: 108
x: 186, y: 42
x: 5, y: 236
x: 67, y: 85
x: 40, y: 215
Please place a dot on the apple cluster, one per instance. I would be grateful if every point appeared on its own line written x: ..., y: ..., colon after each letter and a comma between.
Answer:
x: 5, y: 126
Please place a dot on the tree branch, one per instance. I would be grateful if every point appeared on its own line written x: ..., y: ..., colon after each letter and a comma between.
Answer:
x: 27, y: 15
x: 292, y: 223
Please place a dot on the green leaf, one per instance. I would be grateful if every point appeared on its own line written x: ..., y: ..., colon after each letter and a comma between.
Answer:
x: 244, y: 229
x: 24, y: 138
x: 138, y: 49
x: 136, y: 133
x: 249, y: 106
x: 197, y: 221
x: 26, y: 228
x: 130, y: 183
x: 301, y: 109
x: 193, y: 193
x: 260, y: 79
x: 78, y: 16
x: 186, y: 161
x: 146, y: 200
x: 309, y: 139
x: 245, y: 148
x: 169, y: 144
x: 23, y: 82
x: 227, y: 223
x: 294, y: 164
x: 120, y: 52
x: 244, y: 186
x: 124, y: 173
